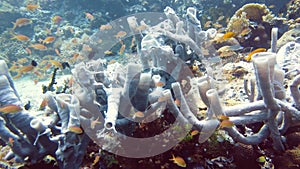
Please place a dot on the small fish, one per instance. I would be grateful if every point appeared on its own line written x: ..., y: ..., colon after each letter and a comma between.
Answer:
x: 28, y: 51
x: 89, y: 16
x: 226, y: 123
x: 249, y: 56
x: 11, y: 141
x: 228, y: 35
x: 94, y: 123
x: 56, y: 63
x: 26, y: 69
x: 20, y: 37
x: 57, y: 52
x: 217, y: 25
x: 34, y: 63
x: 105, y: 27
x: 57, y: 19
x: 207, y: 24
x: 177, y: 102
x: 139, y: 114
x: 112, y: 62
x: 245, y: 32
x: 122, y: 49
x: 48, y: 39
x: 27, y: 106
x: 271, y: 6
x: 96, y: 160
x: 10, y: 108
x: 121, y: 34
x: 160, y: 84
x: 76, y: 129
x: 178, y: 160
x: 38, y: 46
x: 43, y: 104
x: 32, y: 7
x: 220, y: 18
x: 261, y: 159
x: 21, y: 22
x: 22, y: 60
x: 194, y: 132
x: 108, y: 52
x: 223, y: 117
x: 141, y: 28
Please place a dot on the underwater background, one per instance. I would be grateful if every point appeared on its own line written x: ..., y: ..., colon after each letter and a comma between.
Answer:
x: 55, y: 93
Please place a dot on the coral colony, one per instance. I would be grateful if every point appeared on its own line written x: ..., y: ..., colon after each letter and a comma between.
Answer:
x: 108, y: 99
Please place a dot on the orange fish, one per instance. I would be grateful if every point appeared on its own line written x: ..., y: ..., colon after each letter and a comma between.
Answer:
x: 21, y: 22
x: 97, y: 158
x: 26, y: 69
x: 105, y: 27
x: 76, y: 129
x: 139, y: 114
x: 121, y: 34
x: 141, y: 28
x: 89, y: 16
x: 95, y: 122
x: 10, y: 108
x: 223, y: 117
x: 249, y: 56
x: 160, y: 84
x: 226, y: 123
x: 28, y: 51
x: 207, y: 24
x: 177, y: 102
x: 228, y: 35
x: 57, y: 52
x: 32, y: 7
x: 20, y: 37
x: 57, y: 19
x: 48, y: 39
x: 56, y: 63
x: 122, y: 49
x: 11, y: 141
x: 178, y: 160
x: 194, y: 132
x: 43, y: 104
x: 38, y: 46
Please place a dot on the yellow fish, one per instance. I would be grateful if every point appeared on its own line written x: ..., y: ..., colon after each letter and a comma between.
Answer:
x: 76, y: 129
x: 228, y: 35
x: 226, y: 123
x: 10, y: 108
x: 249, y: 56
x: 178, y: 160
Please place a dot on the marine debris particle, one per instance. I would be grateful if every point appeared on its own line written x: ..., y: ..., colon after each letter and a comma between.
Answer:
x: 178, y: 160
x: 10, y: 108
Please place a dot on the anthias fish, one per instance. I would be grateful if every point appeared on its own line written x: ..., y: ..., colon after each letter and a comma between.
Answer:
x: 178, y: 160
x: 11, y: 108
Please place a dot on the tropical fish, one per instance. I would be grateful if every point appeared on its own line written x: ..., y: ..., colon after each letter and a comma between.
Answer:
x: 43, y: 104
x: 108, y: 52
x: 95, y: 122
x: 228, y: 35
x: 48, y: 39
x: 177, y: 102
x: 139, y: 114
x: 26, y: 69
x: 32, y: 7
x: 121, y: 34
x: 160, y: 84
x: 21, y: 22
x: 178, y: 160
x: 261, y: 159
x: 28, y: 51
x: 122, y: 49
x: 97, y: 158
x: 194, y: 132
x: 226, y: 123
x: 249, y: 56
x: 220, y: 18
x: 10, y: 108
x: 76, y: 129
x: 141, y: 28
x: 56, y: 63
x: 223, y: 117
x: 89, y: 16
x: 105, y: 27
x: 57, y: 52
x: 38, y: 46
x: 207, y: 24
x: 11, y: 141
x: 57, y: 19
x: 20, y: 37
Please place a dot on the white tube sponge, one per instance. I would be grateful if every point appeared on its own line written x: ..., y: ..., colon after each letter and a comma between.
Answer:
x: 37, y: 125
x: 294, y: 87
x: 170, y: 13
x: 274, y: 37
x: 263, y: 75
x: 113, y: 101
x: 214, y: 101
